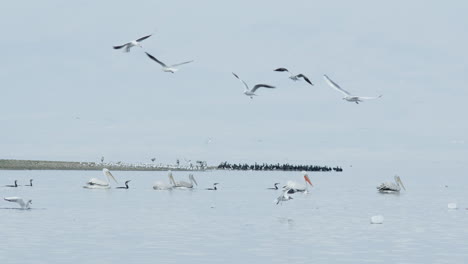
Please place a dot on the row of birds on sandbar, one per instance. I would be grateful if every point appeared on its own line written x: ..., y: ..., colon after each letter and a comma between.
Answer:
x: 291, y: 187
x: 250, y: 92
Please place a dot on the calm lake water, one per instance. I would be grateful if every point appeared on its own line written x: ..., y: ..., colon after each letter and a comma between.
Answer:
x: 239, y: 223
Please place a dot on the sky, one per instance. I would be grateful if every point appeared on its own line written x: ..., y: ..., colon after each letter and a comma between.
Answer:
x: 67, y: 95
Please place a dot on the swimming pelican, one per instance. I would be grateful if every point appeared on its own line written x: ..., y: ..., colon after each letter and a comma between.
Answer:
x: 30, y: 183
x: 126, y: 185
x: 293, y: 187
x: 132, y: 43
x: 347, y: 96
x: 391, y: 187
x: 166, y: 68
x: 15, y: 185
x: 295, y: 77
x: 284, y: 197
x: 251, y: 92
x: 165, y: 186
x: 100, y: 184
x: 214, y: 187
x: 184, y: 184
x: 274, y: 188
x: 20, y: 201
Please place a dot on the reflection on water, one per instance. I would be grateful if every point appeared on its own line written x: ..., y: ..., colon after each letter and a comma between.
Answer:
x: 238, y: 223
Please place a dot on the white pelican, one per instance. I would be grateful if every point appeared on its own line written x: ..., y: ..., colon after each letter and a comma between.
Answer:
x: 165, y: 186
x: 131, y: 44
x: 166, y: 68
x: 100, y: 184
x: 284, y: 197
x: 347, y: 96
x: 295, y: 77
x: 377, y: 219
x: 214, y: 187
x: 251, y: 92
x: 30, y: 183
x: 126, y: 185
x: 184, y: 184
x: 293, y: 187
x: 20, y: 201
x: 391, y: 187
x: 274, y: 188
x: 15, y: 185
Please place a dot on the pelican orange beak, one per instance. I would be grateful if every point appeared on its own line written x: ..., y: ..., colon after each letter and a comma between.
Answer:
x: 306, y: 177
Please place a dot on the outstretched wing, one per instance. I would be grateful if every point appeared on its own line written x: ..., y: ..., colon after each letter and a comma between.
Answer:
x: 156, y: 60
x: 121, y: 46
x: 261, y: 86
x: 177, y: 64
x: 305, y: 78
x: 246, y: 86
x: 143, y: 38
x: 281, y: 70
x: 15, y: 200
x: 335, y: 86
x: 368, y: 98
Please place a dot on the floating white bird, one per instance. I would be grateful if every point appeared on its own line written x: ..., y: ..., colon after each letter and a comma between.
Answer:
x: 284, y: 197
x: 214, y: 187
x: 184, y: 184
x: 100, y: 184
x: 132, y: 43
x: 293, y: 187
x: 274, y: 188
x: 251, y: 92
x: 347, y: 96
x: 377, y: 219
x: 14, y: 185
x: 126, y: 185
x: 19, y: 201
x: 164, y: 186
x: 294, y: 77
x: 166, y: 68
x: 391, y: 187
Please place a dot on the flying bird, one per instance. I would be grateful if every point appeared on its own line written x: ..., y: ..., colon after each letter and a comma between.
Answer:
x: 126, y: 185
x: 284, y: 197
x: 391, y: 187
x: 132, y: 43
x: 166, y: 68
x: 19, y: 201
x: 295, y: 77
x: 101, y: 184
x: 251, y: 92
x: 214, y: 187
x: 347, y: 96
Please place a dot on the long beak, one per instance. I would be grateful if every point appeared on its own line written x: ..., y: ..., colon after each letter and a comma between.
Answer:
x: 402, y: 185
x: 109, y: 175
x: 193, y: 179
x: 308, y: 180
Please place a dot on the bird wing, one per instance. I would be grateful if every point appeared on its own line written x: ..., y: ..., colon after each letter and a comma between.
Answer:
x: 305, y: 78
x: 143, y: 38
x: 335, y: 86
x: 18, y: 200
x: 242, y: 81
x: 369, y: 98
x: 261, y: 86
x: 177, y: 64
x: 156, y: 60
x: 281, y: 70
x: 121, y: 46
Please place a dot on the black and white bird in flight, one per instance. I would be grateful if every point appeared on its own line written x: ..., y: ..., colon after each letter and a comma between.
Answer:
x: 132, y: 43
x: 295, y: 77
x: 347, y: 96
x: 251, y: 92
x: 166, y: 68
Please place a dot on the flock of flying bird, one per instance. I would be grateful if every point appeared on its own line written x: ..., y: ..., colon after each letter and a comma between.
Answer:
x: 247, y: 90
x: 290, y: 188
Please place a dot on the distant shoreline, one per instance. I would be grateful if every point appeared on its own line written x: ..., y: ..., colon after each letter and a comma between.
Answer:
x: 75, y: 165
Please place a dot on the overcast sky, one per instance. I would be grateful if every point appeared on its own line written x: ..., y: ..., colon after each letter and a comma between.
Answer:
x: 67, y: 95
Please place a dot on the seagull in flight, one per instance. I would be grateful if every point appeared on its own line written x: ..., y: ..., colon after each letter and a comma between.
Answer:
x: 19, y: 201
x: 166, y: 68
x: 295, y: 77
x: 347, y: 96
x: 251, y: 92
x: 283, y: 197
x: 132, y: 43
